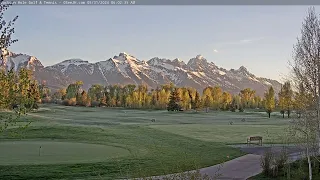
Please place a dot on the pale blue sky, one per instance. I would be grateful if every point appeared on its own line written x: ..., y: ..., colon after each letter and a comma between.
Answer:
x: 258, y: 37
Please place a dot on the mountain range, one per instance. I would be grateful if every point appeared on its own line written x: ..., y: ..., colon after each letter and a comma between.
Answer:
x: 124, y: 68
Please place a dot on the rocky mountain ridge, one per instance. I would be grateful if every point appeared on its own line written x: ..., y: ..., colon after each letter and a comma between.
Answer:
x: 124, y: 68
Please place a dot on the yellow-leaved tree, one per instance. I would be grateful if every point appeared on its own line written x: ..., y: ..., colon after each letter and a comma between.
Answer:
x: 269, y: 103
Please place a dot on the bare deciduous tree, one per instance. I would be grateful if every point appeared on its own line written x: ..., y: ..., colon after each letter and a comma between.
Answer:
x: 304, y: 132
x: 306, y: 61
x: 306, y: 73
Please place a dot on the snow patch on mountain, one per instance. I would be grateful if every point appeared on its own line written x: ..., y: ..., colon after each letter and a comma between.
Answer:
x: 168, y: 66
x: 69, y: 63
x: 122, y: 69
x: 15, y: 62
x: 221, y: 72
x: 100, y: 70
x: 125, y: 68
x: 161, y: 63
x: 199, y: 74
x: 106, y: 65
x: 267, y: 83
x: 254, y: 79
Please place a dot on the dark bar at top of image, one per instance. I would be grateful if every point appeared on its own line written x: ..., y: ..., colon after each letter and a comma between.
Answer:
x: 227, y: 2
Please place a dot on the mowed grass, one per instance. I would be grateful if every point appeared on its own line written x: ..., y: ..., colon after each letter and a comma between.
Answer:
x: 176, y: 142
x: 53, y: 152
x: 228, y: 134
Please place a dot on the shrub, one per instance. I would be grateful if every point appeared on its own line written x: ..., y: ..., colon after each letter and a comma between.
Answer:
x: 233, y: 109
x: 281, y: 161
x: 30, y: 105
x: 73, y: 101
x: 95, y: 104
x: 241, y: 109
x: 58, y: 101
x: 46, y: 100
x: 65, y: 102
x: 267, y: 162
x: 35, y: 106
x: 69, y: 102
x: 273, y: 166
x: 102, y: 104
x: 87, y: 104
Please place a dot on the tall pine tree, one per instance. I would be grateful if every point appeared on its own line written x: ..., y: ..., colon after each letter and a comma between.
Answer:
x: 174, y: 100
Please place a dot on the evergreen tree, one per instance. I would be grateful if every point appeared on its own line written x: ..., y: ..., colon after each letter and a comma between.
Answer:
x: 174, y: 100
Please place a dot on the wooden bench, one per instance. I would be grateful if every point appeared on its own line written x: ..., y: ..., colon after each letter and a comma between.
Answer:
x: 255, y: 138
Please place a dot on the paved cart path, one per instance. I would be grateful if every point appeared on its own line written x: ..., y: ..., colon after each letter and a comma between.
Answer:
x: 245, y: 166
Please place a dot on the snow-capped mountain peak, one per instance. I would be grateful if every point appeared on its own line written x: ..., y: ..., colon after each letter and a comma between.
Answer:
x: 177, y: 60
x: 197, y: 60
x: 127, y: 69
x: 16, y: 61
x: 199, y: 63
x: 199, y: 57
x: 74, y: 61
x: 244, y: 71
x: 156, y: 61
x: 72, y: 64
x: 123, y: 56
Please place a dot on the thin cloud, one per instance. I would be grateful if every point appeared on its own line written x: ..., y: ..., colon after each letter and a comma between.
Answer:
x: 250, y: 40
x: 246, y: 41
x: 243, y: 41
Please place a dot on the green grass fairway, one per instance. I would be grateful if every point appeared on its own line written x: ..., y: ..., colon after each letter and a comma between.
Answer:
x: 51, y: 152
x: 112, y: 143
x: 229, y: 134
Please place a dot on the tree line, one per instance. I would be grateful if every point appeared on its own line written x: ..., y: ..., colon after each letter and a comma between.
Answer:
x: 174, y: 98
x: 21, y: 88
x: 165, y: 96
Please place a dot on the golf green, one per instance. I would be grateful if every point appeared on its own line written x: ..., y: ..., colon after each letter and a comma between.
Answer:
x: 54, y: 152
